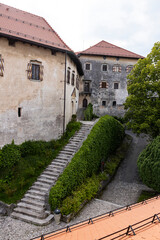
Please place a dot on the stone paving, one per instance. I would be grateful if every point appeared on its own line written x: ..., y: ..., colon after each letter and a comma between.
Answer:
x: 123, y: 190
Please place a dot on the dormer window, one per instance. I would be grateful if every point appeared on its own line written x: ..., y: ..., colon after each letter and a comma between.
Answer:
x: 117, y: 68
x: 35, y: 70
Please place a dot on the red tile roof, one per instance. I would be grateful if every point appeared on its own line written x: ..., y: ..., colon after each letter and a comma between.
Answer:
x: 143, y: 220
x: 107, y: 49
x: 29, y: 27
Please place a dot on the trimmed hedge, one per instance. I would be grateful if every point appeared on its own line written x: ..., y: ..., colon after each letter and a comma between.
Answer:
x: 103, y: 139
x: 149, y: 165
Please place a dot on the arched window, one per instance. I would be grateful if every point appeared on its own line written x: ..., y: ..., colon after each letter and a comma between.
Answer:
x: 85, y: 102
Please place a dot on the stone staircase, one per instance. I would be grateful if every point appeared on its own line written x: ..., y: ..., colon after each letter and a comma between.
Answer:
x: 34, y: 207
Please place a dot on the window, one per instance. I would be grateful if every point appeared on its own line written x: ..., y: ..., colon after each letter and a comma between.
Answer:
x: 73, y: 77
x: 117, y: 68
x: 11, y: 42
x: 88, y: 66
x: 103, y: 84
x: 35, y: 70
x: 19, y: 112
x: 104, y: 67
x: 114, y: 103
x: 129, y: 68
x: 103, y: 103
x: 86, y: 87
x: 1, y: 66
x: 68, y: 76
x: 77, y: 82
x: 116, y: 85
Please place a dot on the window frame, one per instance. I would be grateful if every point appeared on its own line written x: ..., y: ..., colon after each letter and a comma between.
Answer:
x: 90, y: 66
x: 104, y: 65
x: 35, y: 71
x: 117, y: 68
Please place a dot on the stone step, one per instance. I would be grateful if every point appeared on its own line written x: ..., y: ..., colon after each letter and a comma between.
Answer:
x: 51, y: 173
x: 31, y: 213
x: 50, y: 177
x: 60, y: 161
x: 30, y: 206
x: 45, y: 180
x: 40, y: 184
x: 66, y: 152
x: 35, y: 197
x: 33, y: 202
x: 38, y: 188
x: 29, y: 219
x: 36, y: 192
x: 69, y: 149
x: 57, y: 164
x: 62, y: 156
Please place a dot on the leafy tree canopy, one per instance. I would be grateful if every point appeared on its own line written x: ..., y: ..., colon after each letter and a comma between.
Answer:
x: 143, y: 102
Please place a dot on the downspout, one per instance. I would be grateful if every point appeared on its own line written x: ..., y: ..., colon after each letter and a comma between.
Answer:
x: 64, y: 108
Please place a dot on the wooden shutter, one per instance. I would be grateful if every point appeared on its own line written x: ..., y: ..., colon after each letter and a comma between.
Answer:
x: 100, y: 84
x: 119, y: 68
x: 29, y: 71
x: 41, y: 73
x: 1, y: 67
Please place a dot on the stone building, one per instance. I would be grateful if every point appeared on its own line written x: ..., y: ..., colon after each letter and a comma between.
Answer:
x: 39, y: 78
x: 106, y: 67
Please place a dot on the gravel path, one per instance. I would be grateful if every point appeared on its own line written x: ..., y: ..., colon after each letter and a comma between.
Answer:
x: 126, y: 186
x: 124, y: 189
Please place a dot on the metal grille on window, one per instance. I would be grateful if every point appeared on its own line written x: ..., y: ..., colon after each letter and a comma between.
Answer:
x: 1, y: 67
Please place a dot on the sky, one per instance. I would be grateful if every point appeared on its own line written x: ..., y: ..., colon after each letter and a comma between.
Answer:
x: 130, y: 24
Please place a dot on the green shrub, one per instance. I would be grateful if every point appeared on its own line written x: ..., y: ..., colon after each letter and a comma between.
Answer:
x: 88, y: 113
x: 21, y: 165
x: 149, y: 165
x: 9, y: 156
x: 103, y: 139
x: 32, y: 148
x: 85, y: 192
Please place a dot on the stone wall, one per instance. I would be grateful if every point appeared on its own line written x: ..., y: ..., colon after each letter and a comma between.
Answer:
x: 40, y: 103
x: 105, y: 100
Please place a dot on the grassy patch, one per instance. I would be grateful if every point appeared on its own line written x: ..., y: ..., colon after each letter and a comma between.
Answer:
x: 146, y: 195
x: 17, y: 175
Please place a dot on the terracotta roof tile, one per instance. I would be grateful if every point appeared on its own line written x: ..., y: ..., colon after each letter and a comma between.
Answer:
x: 107, y: 49
x: 26, y: 26
x: 112, y: 227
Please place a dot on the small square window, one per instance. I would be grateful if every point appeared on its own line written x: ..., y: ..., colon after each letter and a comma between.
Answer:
x: 103, y: 103
x: 116, y: 85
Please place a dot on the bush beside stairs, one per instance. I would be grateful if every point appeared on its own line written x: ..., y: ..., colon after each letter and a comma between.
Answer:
x: 33, y: 207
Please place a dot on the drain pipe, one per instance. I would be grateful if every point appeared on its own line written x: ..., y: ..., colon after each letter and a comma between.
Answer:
x: 64, y: 108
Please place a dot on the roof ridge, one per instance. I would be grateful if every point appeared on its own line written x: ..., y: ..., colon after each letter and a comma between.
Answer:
x: 124, y: 52
x: 57, y: 34
x: 17, y: 9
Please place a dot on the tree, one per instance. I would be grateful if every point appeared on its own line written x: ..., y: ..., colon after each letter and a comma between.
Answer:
x: 143, y: 102
x: 149, y: 165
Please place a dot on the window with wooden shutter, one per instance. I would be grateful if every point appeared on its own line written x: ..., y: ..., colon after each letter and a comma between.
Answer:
x: 29, y: 71
x: 1, y: 66
x: 41, y: 73
x: 35, y: 70
x: 117, y: 68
